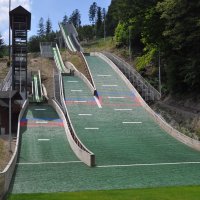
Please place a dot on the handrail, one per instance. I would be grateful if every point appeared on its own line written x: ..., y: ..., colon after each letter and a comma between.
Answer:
x: 60, y: 58
x: 40, y: 85
x: 138, y: 78
x: 37, y: 87
x: 57, y: 60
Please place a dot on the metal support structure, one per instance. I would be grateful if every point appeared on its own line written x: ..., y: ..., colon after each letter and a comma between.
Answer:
x: 9, y: 36
x: 159, y: 78
x: 130, y: 54
x: 20, y: 20
x: 10, y: 122
x: 105, y: 27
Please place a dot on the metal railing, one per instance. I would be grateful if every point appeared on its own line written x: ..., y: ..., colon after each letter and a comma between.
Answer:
x: 147, y: 91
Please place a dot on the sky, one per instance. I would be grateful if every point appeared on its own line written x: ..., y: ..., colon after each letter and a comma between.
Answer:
x: 54, y: 9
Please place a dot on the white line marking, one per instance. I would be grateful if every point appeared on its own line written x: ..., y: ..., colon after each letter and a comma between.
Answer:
x: 109, y: 85
x: 76, y: 90
x: 120, y: 109
x: 41, y: 122
x: 80, y: 101
x: 149, y: 164
x: 72, y: 81
x: 91, y: 128
x: 43, y: 139
x: 103, y: 75
x: 116, y: 97
x: 40, y: 109
x: 85, y: 114
x: 97, y: 101
x: 44, y: 163
x: 132, y: 122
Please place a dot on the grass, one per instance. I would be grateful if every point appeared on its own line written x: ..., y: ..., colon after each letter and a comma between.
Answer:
x: 167, y: 193
x: 109, y: 45
x: 100, y: 45
x: 1, y: 148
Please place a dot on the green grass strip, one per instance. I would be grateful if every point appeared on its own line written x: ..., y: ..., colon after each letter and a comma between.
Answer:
x: 167, y: 193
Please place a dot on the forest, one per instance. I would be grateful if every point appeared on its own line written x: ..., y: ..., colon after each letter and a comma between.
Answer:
x: 169, y: 28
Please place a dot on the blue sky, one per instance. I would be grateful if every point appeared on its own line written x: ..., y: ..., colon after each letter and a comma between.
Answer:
x: 53, y: 9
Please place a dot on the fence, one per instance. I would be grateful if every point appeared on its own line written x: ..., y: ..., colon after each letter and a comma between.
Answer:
x: 147, y: 91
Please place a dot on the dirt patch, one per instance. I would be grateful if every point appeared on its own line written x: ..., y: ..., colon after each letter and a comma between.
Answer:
x: 46, y: 67
x: 3, y: 69
x: 77, y: 61
x: 183, y: 116
x: 5, y: 154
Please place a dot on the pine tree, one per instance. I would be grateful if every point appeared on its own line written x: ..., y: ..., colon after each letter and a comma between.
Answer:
x: 41, y: 31
x: 75, y: 18
x: 48, y: 26
x: 104, y: 13
x: 65, y: 19
x: 2, y: 47
x: 99, y: 21
x: 93, y: 12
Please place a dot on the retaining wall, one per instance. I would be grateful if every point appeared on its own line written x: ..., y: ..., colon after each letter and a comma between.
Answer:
x: 6, y: 175
x: 79, y: 149
x: 195, y: 144
x: 82, y: 76
x: 81, y: 55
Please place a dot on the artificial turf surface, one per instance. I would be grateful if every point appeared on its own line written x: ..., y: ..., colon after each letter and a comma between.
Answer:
x: 165, y: 193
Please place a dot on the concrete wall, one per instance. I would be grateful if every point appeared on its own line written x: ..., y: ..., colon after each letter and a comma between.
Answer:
x: 6, y: 175
x: 79, y: 149
x: 82, y: 76
x: 164, y: 125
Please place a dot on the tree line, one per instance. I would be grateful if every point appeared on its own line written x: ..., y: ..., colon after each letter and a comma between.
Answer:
x: 95, y: 29
x: 166, y: 28
x: 3, y: 47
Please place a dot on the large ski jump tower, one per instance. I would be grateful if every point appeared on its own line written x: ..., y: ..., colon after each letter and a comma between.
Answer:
x: 20, y: 23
